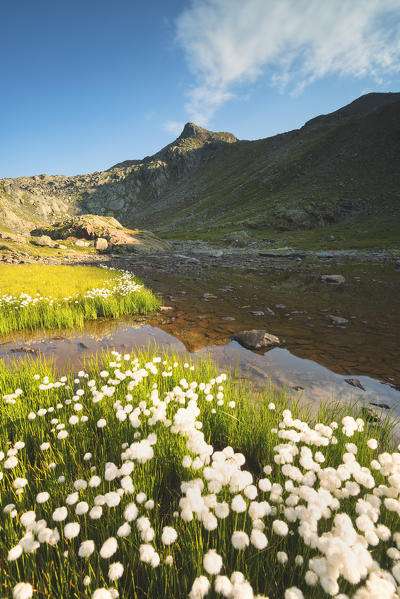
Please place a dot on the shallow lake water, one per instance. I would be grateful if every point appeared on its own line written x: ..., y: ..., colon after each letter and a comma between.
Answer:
x: 315, y: 358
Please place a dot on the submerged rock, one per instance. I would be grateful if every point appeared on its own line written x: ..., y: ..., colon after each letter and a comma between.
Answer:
x: 26, y: 349
x: 256, y: 339
x: 336, y: 319
x: 355, y: 383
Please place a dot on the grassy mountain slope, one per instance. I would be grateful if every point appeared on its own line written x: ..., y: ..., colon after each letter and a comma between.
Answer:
x: 340, y: 166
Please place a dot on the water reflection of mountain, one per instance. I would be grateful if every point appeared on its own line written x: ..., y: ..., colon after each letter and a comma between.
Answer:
x: 281, y: 367
x: 336, y: 352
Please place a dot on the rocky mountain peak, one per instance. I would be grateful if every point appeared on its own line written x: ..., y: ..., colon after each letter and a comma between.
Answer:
x: 192, y: 130
x: 199, y: 135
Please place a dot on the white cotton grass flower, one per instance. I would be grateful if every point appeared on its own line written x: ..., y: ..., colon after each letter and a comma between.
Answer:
x: 238, y: 504
x: 81, y: 508
x: 14, y: 553
x: 169, y: 560
x: 71, y: 530
x: 311, y: 578
x: 86, y: 548
x: 280, y: 528
x: 102, y: 593
x: 28, y: 518
x: 108, y: 548
x: 240, y: 540
x: 101, y: 423
x: 258, y: 539
x: 60, y: 514
x: 169, y: 535
x: 296, y: 593
x: 372, y: 443
x: 299, y: 560
x: 72, y: 498
x: 149, y: 555
x: 124, y: 530
x: 250, y: 492
x: 212, y: 562
x: 146, y: 552
x: 42, y: 497
x: 282, y: 557
x: 86, y: 581
x: 10, y: 463
x: 80, y: 484
x: 96, y: 512
x: 223, y: 586
x: 264, y: 485
x: 94, y: 481
x: 221, y: 510
x: 115, y: 571
x: 22, y: 590
x: 131, y: 512
x: 200, y: 588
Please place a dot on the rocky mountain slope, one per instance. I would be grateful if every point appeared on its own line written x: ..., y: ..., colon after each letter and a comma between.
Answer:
x: 336, y: 166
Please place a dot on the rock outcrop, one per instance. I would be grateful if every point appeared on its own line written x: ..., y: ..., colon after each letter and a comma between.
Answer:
x: 107, y: 233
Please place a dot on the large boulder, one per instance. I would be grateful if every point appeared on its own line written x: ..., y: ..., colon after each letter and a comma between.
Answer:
x: 43, y: 240
x: 101, y: 244
x: 256, y: 339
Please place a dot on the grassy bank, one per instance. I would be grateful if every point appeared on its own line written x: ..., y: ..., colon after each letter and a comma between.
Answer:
x: 44, y: 296
x: 148, y: 477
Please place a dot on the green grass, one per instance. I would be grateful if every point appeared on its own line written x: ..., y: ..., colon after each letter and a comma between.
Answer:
x: 363, y: 233
x: 67, y: 296
x: 248, y: 427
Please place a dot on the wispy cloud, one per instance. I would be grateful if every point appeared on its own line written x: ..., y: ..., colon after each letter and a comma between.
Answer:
x: 173, y: 127
x: 229, y: 43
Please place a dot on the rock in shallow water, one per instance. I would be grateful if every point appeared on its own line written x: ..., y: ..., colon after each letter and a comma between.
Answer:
x: 256, y: 339
x: 336, y: 319
x: 355, y: 383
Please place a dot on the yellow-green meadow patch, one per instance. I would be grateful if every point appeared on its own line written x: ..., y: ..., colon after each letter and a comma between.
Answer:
x: 51, y: 296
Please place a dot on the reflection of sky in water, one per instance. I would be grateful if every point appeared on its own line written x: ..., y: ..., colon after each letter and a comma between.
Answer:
x: 319, y: 383
x: 278, y: 365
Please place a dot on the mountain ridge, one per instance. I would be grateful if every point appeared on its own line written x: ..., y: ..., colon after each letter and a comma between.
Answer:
x: 335, y: 166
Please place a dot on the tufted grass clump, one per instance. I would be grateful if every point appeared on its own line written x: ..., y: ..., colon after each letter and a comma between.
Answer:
x: 47, y: 296
x: 145, y: 476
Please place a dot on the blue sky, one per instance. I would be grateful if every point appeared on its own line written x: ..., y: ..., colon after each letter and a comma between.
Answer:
x: 86, y: 84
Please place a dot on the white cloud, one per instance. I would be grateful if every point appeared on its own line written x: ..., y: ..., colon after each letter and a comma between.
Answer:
x: 229, y: 43
x: 173, y: 127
